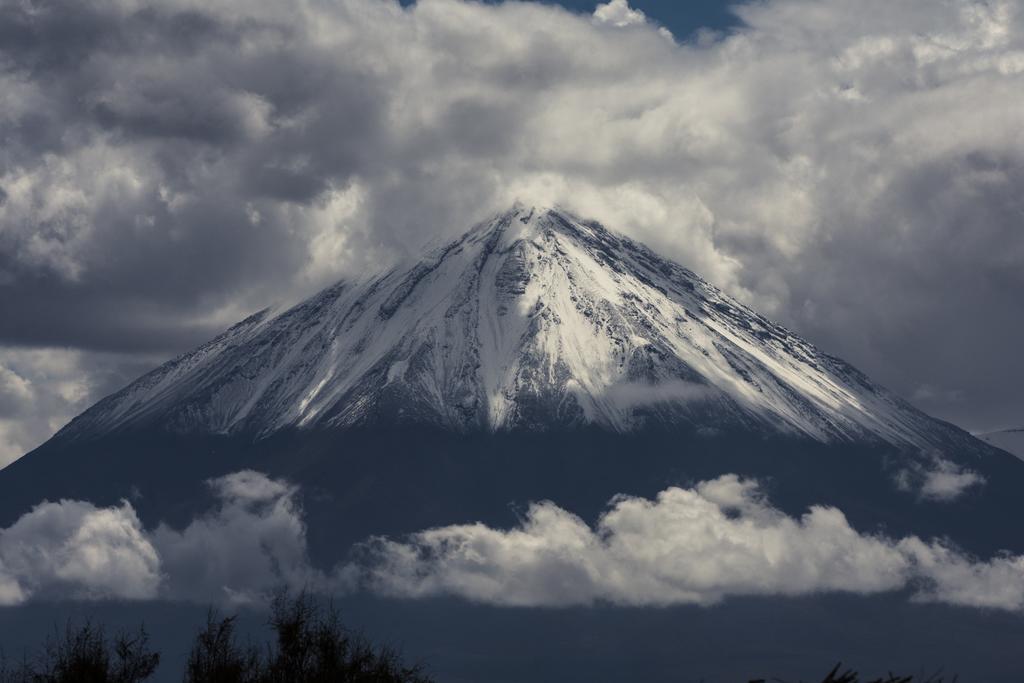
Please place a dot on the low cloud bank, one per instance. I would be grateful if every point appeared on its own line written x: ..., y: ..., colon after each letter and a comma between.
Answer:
x: 74, y: 549
x: 700, y: 545
x: 251, y: 542
x: 254, y: 541
x: 688, y: 546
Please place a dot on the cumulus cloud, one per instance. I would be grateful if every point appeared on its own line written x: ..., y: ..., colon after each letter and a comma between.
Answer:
x: 952, y: 578
x: 618, y: 13
x: 254, y: 541
x: 42, y: 389
x: 849, y: 168
x: 688, y: 546
x: 74, y: 549
x: 250, y: 543
x: 719, y: 539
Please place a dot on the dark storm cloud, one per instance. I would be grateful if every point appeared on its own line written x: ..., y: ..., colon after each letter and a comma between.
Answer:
x: 936, y: 297
x: 854, y: 171
x: 147, y: 144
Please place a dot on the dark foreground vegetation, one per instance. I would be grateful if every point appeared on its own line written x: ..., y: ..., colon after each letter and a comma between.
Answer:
x: 85, y: 654
x: 839, y: 675
x: 310, y: 645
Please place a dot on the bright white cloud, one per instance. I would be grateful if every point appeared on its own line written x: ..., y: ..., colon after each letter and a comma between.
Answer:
x: 618, y: 13
x: 701, y: 545
x: 688, y: 546
x: 74, y: 549
x: 252, y: 542
x: 952, y: 578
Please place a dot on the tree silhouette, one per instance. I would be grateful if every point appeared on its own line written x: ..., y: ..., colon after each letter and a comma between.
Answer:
x: 216, y: 656
x: 83, y: 654
x: 311, y: 646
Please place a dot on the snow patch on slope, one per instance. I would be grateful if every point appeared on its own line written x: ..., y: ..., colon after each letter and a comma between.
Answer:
x: 535, y: 319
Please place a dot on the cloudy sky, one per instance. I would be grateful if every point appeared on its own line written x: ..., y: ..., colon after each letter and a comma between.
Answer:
x: 853, y: 170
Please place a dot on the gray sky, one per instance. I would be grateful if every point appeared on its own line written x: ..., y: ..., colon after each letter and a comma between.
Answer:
x: 853, y: 170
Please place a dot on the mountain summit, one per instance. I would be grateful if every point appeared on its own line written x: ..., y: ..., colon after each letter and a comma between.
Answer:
x: 533, y: 320
x: 536, y: 357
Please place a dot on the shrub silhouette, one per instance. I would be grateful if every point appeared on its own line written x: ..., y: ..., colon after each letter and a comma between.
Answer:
x: 836, y: 675
x: 312, y: 646
x: 83, y: 654
x: 216, y: 656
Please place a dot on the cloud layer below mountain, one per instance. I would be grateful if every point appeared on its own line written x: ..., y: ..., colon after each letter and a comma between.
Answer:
x: 717, y: 540
x: 688, y: 546
x: 850, y: 168
x: 251, y: 542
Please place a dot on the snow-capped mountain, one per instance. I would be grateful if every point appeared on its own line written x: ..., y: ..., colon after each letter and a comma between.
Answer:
x: 1009, y: 440
x: 536, y: 320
